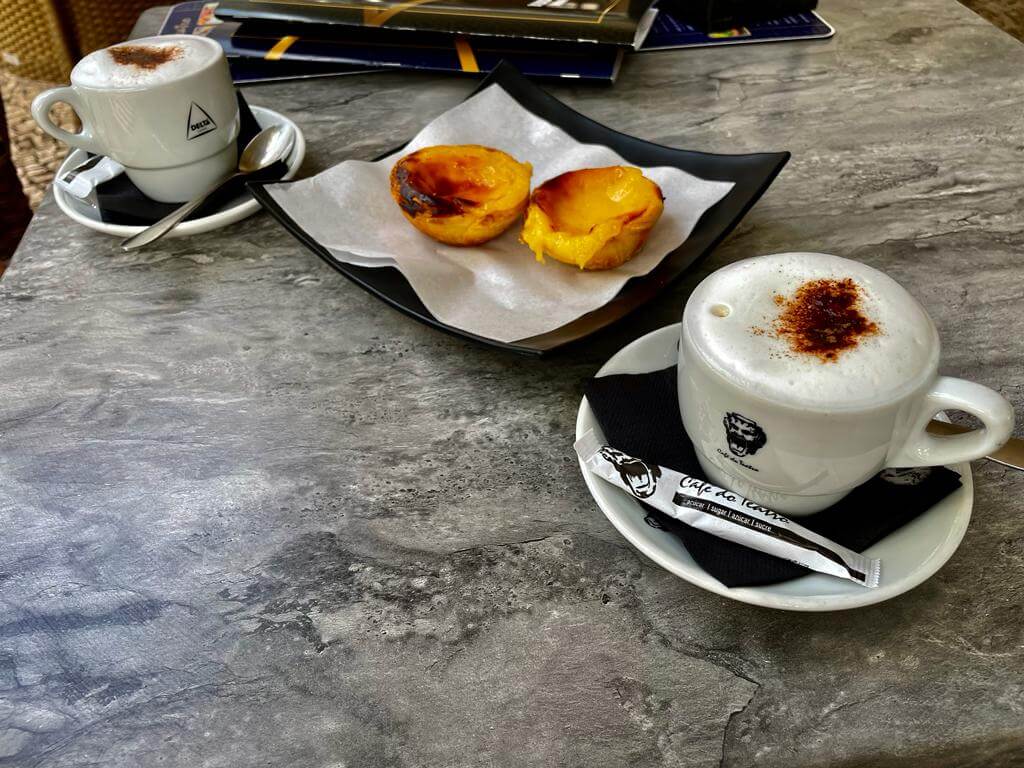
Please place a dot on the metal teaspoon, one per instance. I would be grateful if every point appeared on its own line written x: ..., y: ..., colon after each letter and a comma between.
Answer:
x: 266, y: 148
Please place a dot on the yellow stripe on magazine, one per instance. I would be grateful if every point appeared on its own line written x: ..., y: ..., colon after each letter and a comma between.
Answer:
x: 376, y: 18
x: 467, y: 60
x: 280, y: 47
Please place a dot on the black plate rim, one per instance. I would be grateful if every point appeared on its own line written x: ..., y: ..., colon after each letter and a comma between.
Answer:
x: 637, y: 290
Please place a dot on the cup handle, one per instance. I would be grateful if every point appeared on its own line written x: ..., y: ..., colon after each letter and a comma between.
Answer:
x: 922, y: 449
x: 41, y: 112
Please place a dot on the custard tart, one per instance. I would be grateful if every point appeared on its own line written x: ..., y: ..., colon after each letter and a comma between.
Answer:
x: 593, y: 218
x: 462, y: 194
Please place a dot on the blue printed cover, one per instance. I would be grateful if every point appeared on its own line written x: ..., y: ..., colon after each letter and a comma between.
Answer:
x: 669, y: 32
x: 266, y: 50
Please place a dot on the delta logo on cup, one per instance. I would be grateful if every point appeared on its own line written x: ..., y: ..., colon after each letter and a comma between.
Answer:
x: 199, y: 122
x: 164, y: 107
x: 802, y: 375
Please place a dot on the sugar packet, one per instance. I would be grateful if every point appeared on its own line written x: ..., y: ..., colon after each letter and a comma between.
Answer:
x: 725, y: 514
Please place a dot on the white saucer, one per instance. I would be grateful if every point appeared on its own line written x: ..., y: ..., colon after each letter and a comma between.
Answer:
x: 909, y: 555
x: 237, y: 209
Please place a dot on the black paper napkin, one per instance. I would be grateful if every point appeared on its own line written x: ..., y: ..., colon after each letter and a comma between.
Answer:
x: 639, y: 414
x: 121, y: 202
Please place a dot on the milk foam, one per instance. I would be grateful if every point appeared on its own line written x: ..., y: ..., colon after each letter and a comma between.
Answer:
x: 100, y: 70
x: 730, y: 316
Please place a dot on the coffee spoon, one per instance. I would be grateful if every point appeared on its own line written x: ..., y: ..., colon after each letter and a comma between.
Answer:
x: 266, y: 148
x: 1010, y: 455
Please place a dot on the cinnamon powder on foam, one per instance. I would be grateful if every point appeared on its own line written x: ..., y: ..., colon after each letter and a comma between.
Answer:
x: 823, y: 318
x: 144, y: 56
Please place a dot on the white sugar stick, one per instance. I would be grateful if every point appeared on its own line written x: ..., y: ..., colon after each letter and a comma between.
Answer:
x: 724, y: 514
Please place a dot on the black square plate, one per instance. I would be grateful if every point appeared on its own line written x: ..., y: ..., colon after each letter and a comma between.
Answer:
x: 752, y: 175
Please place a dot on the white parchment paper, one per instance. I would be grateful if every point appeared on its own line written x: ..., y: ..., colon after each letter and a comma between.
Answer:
x: 497, y: 290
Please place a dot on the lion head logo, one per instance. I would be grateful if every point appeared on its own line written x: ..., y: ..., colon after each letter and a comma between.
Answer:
x: 745, y: 436
x: 641, y: 478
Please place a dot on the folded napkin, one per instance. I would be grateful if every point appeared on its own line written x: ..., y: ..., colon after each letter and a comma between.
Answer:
x: 639, y: 415
x: 496, y: 290
x: 121, y: 202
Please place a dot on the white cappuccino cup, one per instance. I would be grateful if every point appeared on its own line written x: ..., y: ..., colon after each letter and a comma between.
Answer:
x: 164, y: 107
x: 801, y: 375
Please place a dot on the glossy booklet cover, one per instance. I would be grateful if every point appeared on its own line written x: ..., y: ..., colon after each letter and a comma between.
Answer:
x: 669, y: 31
x: 619, y: 22
x: 276, y: 50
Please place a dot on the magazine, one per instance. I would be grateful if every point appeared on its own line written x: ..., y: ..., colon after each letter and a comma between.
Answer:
x: 265, y: 51
x: 618, y: 22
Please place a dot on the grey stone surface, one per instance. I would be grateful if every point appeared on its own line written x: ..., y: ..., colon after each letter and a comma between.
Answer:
x: 252, y: 517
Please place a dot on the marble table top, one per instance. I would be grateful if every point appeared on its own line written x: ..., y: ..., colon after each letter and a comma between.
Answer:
x: 253, y: 517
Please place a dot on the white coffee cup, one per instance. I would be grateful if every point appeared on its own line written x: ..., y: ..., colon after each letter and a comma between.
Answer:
x: 794, y: 397
x: 164, y: 107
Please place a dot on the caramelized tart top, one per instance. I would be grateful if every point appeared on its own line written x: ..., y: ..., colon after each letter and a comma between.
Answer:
x: 453, y: 180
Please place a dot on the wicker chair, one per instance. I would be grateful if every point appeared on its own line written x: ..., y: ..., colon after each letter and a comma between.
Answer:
x: 42, y: 39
